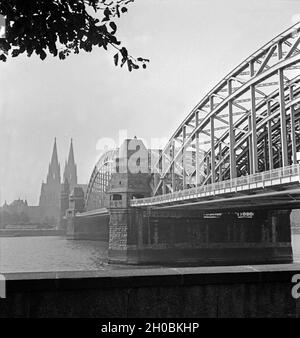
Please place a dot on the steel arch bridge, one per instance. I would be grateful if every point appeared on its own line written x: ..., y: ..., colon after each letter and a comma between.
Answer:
x: 99, y: 180
x: 248, y: 123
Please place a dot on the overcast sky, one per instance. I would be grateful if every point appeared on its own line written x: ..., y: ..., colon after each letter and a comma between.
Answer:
x: 192, y: 44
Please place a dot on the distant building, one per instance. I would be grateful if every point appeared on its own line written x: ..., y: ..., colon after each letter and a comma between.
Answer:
x: 54, y: 197
x: 19, y: 213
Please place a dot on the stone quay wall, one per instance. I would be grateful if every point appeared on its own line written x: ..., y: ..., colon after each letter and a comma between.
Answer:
x: 240, y: 291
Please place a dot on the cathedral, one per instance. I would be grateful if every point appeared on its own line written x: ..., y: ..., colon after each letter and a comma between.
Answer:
x: 54, y: 198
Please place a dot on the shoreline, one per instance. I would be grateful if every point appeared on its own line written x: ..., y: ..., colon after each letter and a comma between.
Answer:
x: 30, y: 232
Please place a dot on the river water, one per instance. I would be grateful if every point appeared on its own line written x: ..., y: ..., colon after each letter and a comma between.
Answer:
x: 43, y: 254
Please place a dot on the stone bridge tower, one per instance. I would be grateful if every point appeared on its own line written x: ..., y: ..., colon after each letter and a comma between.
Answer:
x: 131, y: 180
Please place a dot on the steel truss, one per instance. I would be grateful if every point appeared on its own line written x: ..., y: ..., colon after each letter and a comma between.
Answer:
x: 248, y: 123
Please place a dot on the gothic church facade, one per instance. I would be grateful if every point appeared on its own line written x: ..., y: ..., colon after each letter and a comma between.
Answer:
x: 56, y: 190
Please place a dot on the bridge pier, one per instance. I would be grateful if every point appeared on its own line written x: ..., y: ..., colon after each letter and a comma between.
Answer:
x: 126, y: 223
x: 125, y: 242
x: 144, y: 236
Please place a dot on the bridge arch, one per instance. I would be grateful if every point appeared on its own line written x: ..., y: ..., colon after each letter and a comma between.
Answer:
x: 96, y: 196
x: 248, y: 123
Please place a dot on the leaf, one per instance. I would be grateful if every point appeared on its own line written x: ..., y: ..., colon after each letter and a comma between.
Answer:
x: 43, y: 55
x: 114, y: 40
x: 124, y: 10
x: 123, y: 61
x: 118, y: 11
x: 129, y: 64
x: 107, y: 13
x: 2, y: 57
x: 29, y: 51
x: 15, y: 53
x: 113, y: 27
x: 116, y: 59
x: 124, y: 52
x: 143, y: 60
x: 61, y: 55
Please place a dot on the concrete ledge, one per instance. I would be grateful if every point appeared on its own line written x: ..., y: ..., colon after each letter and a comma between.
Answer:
x: 150, y: 276
x: 238, y: 291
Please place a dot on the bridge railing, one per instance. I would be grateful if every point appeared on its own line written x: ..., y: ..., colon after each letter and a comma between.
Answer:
x: 274, y: 174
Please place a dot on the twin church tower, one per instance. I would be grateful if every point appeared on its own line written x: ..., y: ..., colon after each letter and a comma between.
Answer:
x: 56, y: 190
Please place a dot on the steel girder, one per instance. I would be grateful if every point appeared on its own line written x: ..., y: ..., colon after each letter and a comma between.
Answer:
x: 232, y: 131
x: 267, y: 119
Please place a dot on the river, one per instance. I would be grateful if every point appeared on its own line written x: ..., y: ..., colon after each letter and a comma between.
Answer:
x: 43, y: 254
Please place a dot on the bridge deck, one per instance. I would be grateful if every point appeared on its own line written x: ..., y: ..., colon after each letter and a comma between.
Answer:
x: 91, y: 213
x: 275, y: 187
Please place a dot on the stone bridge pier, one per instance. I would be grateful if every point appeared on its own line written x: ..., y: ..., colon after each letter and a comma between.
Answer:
x: 195, y: 237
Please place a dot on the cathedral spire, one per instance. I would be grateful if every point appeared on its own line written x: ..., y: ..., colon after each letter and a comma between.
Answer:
x: 54, y: 158
x: 71, y: 160
x: 54, y: 167
x: 50, y: 191
x: 70, y: 172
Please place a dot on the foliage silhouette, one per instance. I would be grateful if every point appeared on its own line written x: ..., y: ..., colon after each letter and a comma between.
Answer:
x: 62, y: 27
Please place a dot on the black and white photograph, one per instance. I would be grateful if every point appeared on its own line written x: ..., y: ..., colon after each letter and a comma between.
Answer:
x: 149, y: 163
